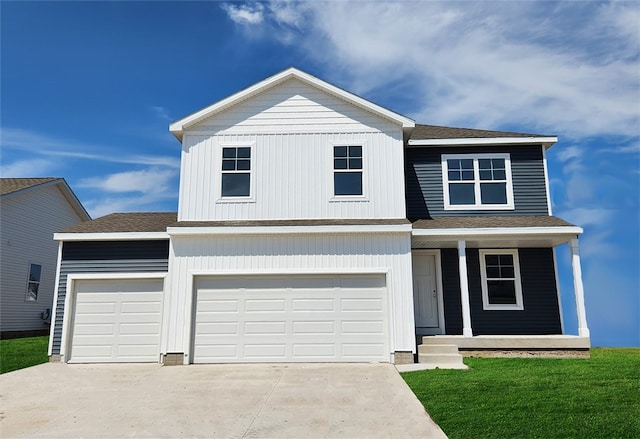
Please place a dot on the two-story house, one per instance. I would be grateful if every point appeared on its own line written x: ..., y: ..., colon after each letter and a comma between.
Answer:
x: 316, y: 226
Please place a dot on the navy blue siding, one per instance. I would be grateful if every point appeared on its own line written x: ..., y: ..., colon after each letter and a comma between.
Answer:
x: 115, y: 250
x: 451, y: 291
x: 541, y: 314
x: 425, y: 199
x: 101, y: 257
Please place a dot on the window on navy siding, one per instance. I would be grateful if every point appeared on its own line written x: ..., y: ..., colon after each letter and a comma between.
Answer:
x: 236, y: 171
x: 347, y: 170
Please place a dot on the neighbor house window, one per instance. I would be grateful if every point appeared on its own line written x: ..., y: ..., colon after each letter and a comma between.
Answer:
x: 33, y: 283
x: 500, y: 273
x: 347, y: 170
x: 477, y: 181
x: 236, y: 171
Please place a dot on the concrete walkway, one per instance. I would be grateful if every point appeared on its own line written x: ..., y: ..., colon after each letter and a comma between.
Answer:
x: 234, y: 401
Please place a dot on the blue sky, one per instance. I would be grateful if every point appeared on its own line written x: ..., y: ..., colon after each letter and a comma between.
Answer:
x: 88, y: 90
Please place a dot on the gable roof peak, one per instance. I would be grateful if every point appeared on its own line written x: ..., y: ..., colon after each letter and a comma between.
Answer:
x: 177, y: 128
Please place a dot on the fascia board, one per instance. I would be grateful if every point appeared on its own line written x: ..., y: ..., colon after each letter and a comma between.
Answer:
x: 494, y: 231
x: 116, y: 236
x: 546, y: 141
x: 287, y: 230
x: 179, y: 126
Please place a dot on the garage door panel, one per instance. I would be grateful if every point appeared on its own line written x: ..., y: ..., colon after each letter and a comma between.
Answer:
x: 116, y: 321
x: 313, y: 305
x: 265, y: 328
x: 310, y: 318
x: 314, y: 327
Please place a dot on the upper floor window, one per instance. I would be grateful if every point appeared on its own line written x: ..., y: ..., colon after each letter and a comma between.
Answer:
x: 236, y: 171
x: 33, y: 283
x: 347, y: 170
x: 501, y: 286
x: 477, y: 181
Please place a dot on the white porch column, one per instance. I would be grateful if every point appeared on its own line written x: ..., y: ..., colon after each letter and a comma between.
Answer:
x: 464, y: 290
x: 578, y: 288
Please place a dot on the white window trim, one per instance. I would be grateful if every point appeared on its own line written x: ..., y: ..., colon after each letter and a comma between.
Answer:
x: 252, y: 174
x: 39, y: 282
x: 519, y: 305
x: 478, y: 205
x: 332, y: 190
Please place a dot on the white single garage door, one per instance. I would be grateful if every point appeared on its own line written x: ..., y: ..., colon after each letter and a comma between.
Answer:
x: 116, y: 321
x: 291, y: 319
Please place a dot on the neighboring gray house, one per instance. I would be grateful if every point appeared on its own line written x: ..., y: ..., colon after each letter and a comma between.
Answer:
x: 31, y: 210
x: 316, y: 226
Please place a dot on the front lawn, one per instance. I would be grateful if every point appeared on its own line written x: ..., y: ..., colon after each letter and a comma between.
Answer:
x: 18, y: 353
x: 536, y: 398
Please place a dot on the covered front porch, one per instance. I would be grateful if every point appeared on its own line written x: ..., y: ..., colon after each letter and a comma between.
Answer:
x: 494, y: 288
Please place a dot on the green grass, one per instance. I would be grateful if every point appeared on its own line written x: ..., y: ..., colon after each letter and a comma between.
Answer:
x: 18, y: 353
x: 536, y: 398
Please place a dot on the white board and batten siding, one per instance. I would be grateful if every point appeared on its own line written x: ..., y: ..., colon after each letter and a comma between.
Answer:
x: 28, y: 223
x: 329, y: 257
x: 292, y: 129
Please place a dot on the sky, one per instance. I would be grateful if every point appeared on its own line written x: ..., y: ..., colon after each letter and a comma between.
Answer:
x: 87, y: 90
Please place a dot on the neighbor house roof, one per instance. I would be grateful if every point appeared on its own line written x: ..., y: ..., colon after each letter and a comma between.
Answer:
x: 15, y: 187
x: 10, y: 185
x: 178, y: 127
x: 424, y: 135
x: 138, y: 222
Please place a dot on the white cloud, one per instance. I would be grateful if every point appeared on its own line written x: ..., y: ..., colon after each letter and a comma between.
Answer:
x: 130, y: 191
x: 29, y: 168
x: 569, y: 67
x: 153, y: 180
x: 161, y: 112
x: 49, y: 146
x: 252, y: 13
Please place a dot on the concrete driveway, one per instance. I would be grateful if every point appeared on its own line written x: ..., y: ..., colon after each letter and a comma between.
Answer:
x: 234, y: 401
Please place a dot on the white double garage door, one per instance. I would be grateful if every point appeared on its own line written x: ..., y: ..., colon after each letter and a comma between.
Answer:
x: 306, y: 318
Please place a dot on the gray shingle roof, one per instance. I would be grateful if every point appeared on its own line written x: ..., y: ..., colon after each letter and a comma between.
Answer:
x: 478, y: 222
x: 10, y: 185
x: 126, y: 222
x: 421, y: 132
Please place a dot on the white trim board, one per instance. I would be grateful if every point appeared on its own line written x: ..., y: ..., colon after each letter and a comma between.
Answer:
x: 547, y: 142
x: 107, y: 236
x: 287, y: 230
x: 500, y: 231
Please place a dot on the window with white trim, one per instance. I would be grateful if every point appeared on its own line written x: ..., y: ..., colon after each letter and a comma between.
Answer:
x: 236, y: 172
x: 347, y: 170
x: 477, y: 181
x: 33, y: 282
x: 501, y: 285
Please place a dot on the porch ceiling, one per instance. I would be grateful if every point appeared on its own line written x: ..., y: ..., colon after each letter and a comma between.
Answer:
x: 505, y: 241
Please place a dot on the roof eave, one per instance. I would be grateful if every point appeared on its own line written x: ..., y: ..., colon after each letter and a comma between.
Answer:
x: 546, y: 141
x: 178, y: 127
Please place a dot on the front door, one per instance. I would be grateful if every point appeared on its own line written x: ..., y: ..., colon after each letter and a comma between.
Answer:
x: 425, y: 292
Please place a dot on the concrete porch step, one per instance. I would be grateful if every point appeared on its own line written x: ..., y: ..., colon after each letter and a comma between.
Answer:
x: 440, y: 356
x: 438, y: 349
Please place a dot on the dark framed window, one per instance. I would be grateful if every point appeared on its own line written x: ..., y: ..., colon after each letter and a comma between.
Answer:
x: 236, y: 171
x: 33, y: 282
x: 347, y: 170
x: 480, y: 181
x: 500, y: 272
